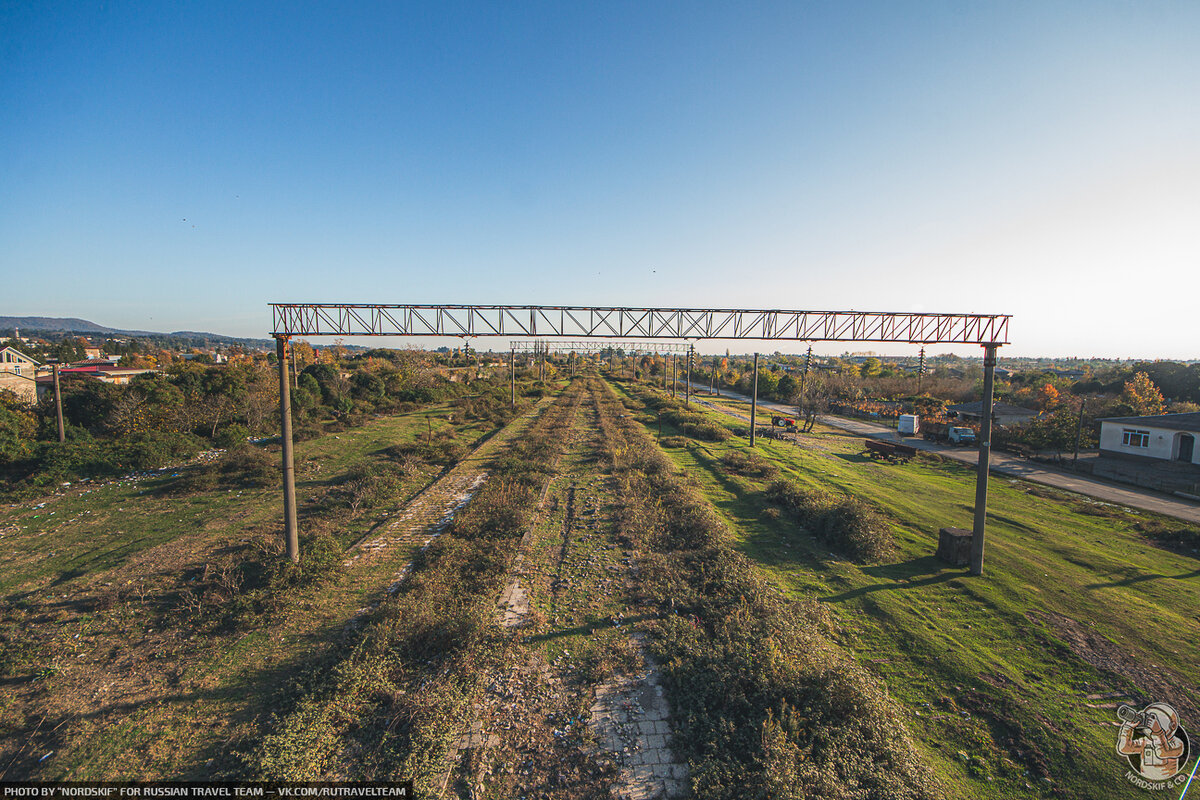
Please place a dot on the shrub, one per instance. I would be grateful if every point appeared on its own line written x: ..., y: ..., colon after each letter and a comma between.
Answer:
x: 845, y: 524
x: 233, y: 435
x: 674, y: 441
x: 706, y: 431
x: 748, y: 464
x: 249, y: 466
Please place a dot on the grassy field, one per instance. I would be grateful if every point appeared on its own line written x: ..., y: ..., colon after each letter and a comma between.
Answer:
x: 113, y: 664
x: 1011, y: 679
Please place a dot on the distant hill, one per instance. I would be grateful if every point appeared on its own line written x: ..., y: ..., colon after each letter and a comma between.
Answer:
x: 59, y: 326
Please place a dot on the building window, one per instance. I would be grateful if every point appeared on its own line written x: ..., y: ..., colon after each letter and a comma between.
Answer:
x: 1132, y: 438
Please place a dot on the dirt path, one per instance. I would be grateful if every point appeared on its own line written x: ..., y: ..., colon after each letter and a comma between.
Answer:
x: 576, y: 711
x: 431, y: 511
x: 1001, y: 463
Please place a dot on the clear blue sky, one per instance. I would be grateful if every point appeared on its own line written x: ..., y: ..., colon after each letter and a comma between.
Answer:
x: 175, y: 166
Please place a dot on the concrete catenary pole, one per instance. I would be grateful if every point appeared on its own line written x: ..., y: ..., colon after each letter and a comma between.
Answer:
x: 985, y: 451
x: 674, y: 376
x: 754, y: 400
x: 712, y: 377
x: 291, y: 528
x: 62, y: 432
x: 664, y: 370
x: 512, y: 374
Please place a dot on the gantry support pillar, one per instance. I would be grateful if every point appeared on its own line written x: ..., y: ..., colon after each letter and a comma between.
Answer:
x: 291, y: 527
x: 985, y: 451
x: 754, y: 401
x: 62, y: 431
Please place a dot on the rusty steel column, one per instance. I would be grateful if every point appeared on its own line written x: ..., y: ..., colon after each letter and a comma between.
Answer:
x: 985, y: 450
x: 291, y: 528
x: 754, y: 401
x: 62, y: 432
x: 512, y: 370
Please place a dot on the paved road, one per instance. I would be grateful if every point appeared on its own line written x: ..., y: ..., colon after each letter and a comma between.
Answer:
x: 1001, y: 463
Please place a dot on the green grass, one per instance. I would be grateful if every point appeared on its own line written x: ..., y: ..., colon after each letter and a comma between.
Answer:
x: 96, y: 526
x: 90, y: 593
x: 998, y: 689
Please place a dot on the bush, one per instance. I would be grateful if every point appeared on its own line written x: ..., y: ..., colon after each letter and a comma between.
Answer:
x: 845, y: 524
x: 154, y: 449
x: 706, y: 431
x: 249, y: 466
x: 243, y: 467
x: 444, y: 450
x: 748, y: 464
x: 233, y: 435
x: 674, y: 441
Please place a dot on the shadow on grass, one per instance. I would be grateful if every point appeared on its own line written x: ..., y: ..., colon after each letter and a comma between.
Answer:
x: 1153, y: 576
x: 905, y: 575
x: 854, y: 458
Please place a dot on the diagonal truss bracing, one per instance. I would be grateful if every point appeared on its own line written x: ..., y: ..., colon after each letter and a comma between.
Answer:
x: 334, y: 319
x: 558, y: 346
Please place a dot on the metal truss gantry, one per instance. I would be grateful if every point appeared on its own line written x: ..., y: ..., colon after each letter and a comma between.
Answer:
x: 343, y: 319
x: 629, y: 348
x: 596, y: 322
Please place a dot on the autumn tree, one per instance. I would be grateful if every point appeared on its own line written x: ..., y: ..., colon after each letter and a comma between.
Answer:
x: 1142, y: 397
x: 1047, y: 397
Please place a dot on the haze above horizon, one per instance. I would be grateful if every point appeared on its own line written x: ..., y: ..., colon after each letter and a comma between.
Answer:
x: 178, y: 167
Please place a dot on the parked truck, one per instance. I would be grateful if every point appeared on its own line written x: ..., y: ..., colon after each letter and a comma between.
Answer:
x: 908, y: 425
x: 945, y: 432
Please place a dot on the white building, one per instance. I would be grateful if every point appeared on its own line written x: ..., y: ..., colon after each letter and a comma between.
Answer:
x: 18, y: 373
x: 1165, y: 437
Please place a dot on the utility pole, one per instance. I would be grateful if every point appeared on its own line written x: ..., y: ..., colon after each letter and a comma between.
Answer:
x: 62, y: 432
x: 291, y: 529
x: 664, y: 371
x: 512, y: 370
x: 921, y: 372
x: 295, y: 376
x: 674, y: 376
x: 804, y: 374
x: 1078, y: 434
x: 688, y: 382
x: 985, y: 451
x: 712, y: 377
x: 754, y: 401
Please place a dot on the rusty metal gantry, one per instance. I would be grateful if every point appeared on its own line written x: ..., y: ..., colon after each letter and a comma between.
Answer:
x: 632, y: 348
x: 345, y: 319
x: 617, y: 322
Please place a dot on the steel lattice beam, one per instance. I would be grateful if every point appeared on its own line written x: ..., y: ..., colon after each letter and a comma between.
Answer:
x: 335, y: 319
x: 591, y: 346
